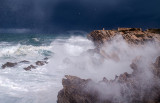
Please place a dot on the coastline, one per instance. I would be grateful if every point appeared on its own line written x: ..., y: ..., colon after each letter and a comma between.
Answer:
x: 125, y: 88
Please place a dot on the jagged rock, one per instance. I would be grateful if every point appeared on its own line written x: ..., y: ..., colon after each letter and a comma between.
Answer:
x: 129, y: 29
x: 153, y: 30
x: 134, y: 36
x: 101, y: 36
x: 105, y: 80
x: 135, y: 63
x: 45, y: 58
x: 41, y: 63
x: 30, y: 67
x: 8, y: 64
x: 24, y: 61
x: 156, y: 68
x: 157, y: 63
x: 124, y: 77
x: 131, y: 88
x: 73, y: 91
x: 134, y: 66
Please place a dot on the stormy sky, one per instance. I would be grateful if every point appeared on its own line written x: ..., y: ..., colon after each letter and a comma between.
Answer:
x: 87, y: 15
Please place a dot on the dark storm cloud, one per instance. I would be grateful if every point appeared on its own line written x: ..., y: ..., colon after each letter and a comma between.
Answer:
x: 57, y: 15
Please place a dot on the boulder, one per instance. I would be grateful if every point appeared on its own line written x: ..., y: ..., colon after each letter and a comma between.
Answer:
x: 30, y: 67
x: 73, y: 91
x: 41, y: 63
x: 24, y: 61
x: 8, y: 64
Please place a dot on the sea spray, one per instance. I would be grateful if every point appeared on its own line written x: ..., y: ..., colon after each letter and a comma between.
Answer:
x: 71, y: 56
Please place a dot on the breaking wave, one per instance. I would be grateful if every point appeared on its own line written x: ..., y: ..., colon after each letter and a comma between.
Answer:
x: 67, y: 56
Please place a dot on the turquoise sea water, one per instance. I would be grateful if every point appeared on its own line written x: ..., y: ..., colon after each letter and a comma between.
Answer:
x: 16, y: 84
x: 40, y: 85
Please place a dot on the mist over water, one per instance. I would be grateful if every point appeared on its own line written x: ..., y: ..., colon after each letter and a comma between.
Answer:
x: 67, y: 56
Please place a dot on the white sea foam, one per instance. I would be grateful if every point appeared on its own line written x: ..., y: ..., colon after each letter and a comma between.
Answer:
x: 18, y: 52
x: 36, y: 39
x: 70, y: 57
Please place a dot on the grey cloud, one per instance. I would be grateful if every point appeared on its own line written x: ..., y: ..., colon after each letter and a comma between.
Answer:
x: 51, y: 15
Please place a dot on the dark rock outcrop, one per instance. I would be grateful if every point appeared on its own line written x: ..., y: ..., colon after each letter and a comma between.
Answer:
x: 30, y: 67
x: 157, y: 63
x: 38, y: 63
x: 156, y: 67
x: 41, y: 63
x: 131, y: 89
x: 24, y: 61
x: 73, y: 92
x: 45, y: 58
x: 8, y: 64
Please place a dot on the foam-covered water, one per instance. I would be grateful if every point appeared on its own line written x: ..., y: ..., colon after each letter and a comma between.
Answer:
x: 67, y: 56
x: 18, y: 85
x: 40, y: 85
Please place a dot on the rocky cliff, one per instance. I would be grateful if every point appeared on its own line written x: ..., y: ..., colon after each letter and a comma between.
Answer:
x: 133, y: 36
x: 77, y: 90
x: 140, y: 86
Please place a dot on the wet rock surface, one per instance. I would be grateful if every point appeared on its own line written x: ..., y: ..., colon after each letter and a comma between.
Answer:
x: 8, y: 64
x: 137, y: 87
x: 24, y: 61
x: 156, y: 68
x: 41, y: 63
x: 30, y: 67
x: 130, y: 89
x: 157, y: 63
x: 73, y: 92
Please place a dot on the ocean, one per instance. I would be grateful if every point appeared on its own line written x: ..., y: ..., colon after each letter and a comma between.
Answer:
x: 67, y: 55
x: 40, y: 85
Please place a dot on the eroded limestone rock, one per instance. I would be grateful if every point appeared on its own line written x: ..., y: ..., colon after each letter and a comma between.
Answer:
x: 134, y: 36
